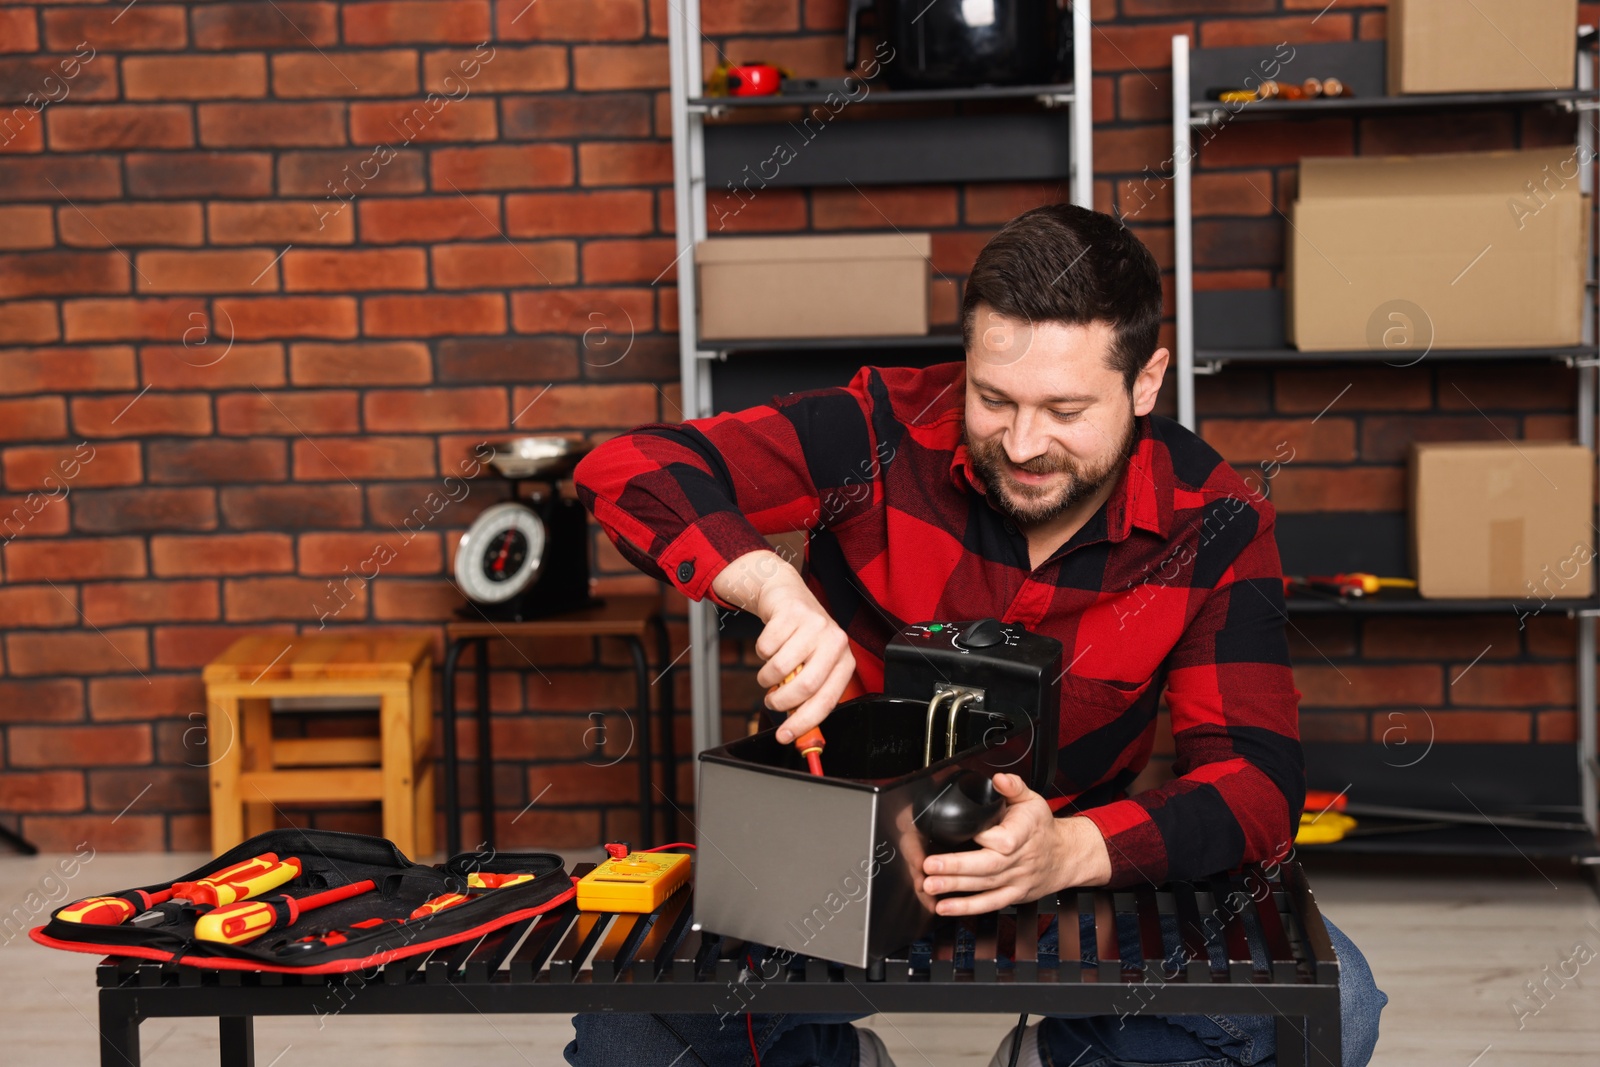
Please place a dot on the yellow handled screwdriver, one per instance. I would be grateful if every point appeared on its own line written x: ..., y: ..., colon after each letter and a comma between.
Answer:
x: 438, y: 904
x: 236, y: 924
x: 250, y: 878
x: 486, y: 880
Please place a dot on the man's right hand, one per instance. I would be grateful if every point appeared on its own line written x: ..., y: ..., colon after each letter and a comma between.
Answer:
x: 796, y: 630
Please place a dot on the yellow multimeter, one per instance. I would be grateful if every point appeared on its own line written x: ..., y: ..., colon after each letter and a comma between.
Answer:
x: 633, y: 881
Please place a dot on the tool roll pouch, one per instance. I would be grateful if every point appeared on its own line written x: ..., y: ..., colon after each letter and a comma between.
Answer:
x: 331, y: 859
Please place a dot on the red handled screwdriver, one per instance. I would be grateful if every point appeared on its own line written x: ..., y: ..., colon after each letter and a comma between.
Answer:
x: 811, y: 742
x: 477, y: 880
x: 330, y: 938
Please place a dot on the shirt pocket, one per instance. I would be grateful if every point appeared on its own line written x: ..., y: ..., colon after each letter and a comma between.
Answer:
x: 1090, y: 706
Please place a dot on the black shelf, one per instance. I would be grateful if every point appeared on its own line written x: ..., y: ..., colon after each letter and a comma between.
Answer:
x: 1361, y: 65
x: 997, y: 144
x: 933, y: 339
x: 1247, y: 326
x: 1473, y: 841
x: 879, y: 95
x: 1323, y: 106
x: 1399, y: 358
x: 1406, y: 602
x: 1027, y: 145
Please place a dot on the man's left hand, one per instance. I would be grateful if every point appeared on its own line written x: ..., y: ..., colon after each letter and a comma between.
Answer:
x: 1028, y: 854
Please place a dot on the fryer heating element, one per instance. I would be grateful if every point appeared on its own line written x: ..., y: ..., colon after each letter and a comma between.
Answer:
x: 959, y: 696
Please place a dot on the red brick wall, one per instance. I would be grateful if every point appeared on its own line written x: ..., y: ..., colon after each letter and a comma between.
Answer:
x: 237, y: 343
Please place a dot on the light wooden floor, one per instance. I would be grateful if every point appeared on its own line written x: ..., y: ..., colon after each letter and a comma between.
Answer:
x: 1452, y: 953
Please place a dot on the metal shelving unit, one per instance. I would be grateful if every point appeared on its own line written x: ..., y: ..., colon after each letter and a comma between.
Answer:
x: 1053, y: 141
x: 1396, y: 603
x: 1247, y: 326
x: 1049, y: 95
x: 1215, y: 329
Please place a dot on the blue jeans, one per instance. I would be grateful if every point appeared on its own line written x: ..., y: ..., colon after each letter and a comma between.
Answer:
x: 1130, y: 1039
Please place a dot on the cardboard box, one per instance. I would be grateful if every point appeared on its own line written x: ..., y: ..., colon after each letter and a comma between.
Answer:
x: 844, y: 285
x: 1459, y: 250
x: 1502, y: 519
x: 1448, y: 46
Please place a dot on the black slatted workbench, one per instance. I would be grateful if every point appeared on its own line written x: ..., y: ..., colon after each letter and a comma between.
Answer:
x: 570, y: 962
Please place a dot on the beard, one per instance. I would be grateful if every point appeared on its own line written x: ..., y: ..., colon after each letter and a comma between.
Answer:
x: 1032, y: 504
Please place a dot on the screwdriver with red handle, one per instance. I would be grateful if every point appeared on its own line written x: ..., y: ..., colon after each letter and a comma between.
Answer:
x: 811, y: 742
x: 477, y: 882
x: 330, y: 938
x: 246, y: 920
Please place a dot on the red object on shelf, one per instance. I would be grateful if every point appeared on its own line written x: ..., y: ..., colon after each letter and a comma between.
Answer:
x: 754, y: 79
x: 1322, y: 800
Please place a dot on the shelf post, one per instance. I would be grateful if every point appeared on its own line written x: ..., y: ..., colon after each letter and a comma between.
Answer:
x: 1082, y: 105
x: 1183, y: 229
x: 689, y: 226
x: 690, y: 189
x: 1586, y: 700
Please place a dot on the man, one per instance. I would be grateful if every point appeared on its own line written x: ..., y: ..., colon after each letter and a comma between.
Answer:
x: 1033, y: 484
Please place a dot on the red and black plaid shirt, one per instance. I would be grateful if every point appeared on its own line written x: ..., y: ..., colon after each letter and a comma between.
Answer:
x: 1174, y: 583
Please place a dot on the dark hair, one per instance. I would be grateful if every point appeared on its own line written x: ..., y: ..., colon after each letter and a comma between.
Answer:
x: 1064, y: 263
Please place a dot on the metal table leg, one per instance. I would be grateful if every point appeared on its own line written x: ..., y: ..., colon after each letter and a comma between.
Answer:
x: 17, y: 841
x: 1291, y: 1042
x: 480, y: 666
x: 669, y: 727
x: 119, y: 1034
x: 452, y: 791
x: 1323, y: 1036
x: 238, y: 1033
x: 641, y: 674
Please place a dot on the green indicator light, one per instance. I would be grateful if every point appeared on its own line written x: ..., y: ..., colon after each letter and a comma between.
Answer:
x: 936, y: 627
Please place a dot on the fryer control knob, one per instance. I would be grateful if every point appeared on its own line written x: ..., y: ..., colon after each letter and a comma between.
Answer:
x: 983, y: 633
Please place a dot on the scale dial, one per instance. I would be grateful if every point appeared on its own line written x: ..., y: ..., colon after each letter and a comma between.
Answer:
x: 500, y: 554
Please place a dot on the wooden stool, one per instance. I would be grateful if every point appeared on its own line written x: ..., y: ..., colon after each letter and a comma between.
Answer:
x: 251, y: 773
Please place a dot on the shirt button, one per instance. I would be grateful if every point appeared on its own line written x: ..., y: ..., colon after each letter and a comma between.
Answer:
x: 685, y: 571
x: 1011, y: 527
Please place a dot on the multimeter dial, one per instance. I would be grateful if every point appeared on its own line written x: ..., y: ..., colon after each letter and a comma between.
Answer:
x: 500, y: 554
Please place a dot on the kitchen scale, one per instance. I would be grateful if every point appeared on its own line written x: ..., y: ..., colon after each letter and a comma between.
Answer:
x: 528, y: 558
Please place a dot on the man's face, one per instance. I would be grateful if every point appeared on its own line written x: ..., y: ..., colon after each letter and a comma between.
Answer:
x: 1048, y: 422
